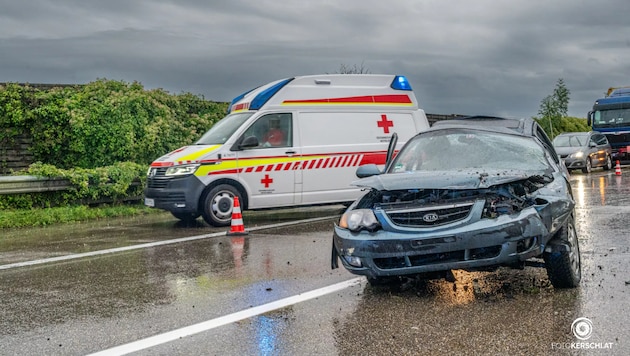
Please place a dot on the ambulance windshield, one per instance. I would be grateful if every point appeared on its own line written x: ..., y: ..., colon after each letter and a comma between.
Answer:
x: 220, y: 132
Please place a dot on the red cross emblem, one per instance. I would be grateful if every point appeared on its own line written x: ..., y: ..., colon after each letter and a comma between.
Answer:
x: 266, y: 181
x: 385, y: 124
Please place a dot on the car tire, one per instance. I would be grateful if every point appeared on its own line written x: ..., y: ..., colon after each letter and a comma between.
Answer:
x: 186, y: 217
x: 589, y: 166
x: 564, y: 265
x: 609, y: 164
x: 218, y: 204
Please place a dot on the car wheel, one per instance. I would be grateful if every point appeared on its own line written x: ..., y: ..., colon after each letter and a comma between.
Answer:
x: 608, y: 165
x: 218, y: 204
x: 186, y: 217
x: 563, y: 264
x: 589, y: 166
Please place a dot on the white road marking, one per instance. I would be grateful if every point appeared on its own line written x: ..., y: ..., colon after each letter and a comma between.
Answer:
x: 224, y: 320
x: 147, y: 245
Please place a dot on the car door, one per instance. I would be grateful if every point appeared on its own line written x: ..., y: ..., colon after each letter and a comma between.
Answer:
x: 600, y: 149
x: 593, y: 151
x: 268, y: 169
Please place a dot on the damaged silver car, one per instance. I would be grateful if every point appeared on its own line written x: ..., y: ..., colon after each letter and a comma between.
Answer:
x: 475, y: 193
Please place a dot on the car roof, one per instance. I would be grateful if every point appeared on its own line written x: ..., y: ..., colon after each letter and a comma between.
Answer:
x: 573, y: 133
x: 492, y: 123
x: 523, y: 126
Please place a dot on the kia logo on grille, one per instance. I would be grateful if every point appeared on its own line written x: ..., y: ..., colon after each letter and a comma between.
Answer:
x: 430, y: 217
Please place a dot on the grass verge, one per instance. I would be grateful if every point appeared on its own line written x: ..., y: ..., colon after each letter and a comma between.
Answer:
x: 59, y: 215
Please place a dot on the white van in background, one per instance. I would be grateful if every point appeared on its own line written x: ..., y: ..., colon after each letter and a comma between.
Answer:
x: 292, y: 142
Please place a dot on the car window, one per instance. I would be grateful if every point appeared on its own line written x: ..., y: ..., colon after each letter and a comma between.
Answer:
x: 456, y: 149
x: 272, y: 130
x: 600, y: 140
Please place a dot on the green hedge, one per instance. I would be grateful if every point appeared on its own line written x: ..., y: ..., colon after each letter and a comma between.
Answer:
x: 101, y: 136
x: 112, y: 184
x: 103, y: 122
x: 565, y: 124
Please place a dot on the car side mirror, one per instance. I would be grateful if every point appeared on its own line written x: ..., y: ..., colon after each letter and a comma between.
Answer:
x: 368, y: 170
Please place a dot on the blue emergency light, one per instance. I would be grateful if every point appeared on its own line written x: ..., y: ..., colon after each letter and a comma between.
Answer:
x: 401, y: 83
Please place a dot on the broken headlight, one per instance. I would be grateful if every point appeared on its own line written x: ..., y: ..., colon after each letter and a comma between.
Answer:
x: 359, y: 219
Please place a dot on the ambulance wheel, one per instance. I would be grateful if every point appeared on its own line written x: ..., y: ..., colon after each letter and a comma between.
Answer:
x: 186, y: 217
x: 218, y: 204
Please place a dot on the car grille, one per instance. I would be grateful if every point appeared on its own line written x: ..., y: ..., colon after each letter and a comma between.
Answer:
x: 430, y: 216
x: 435, y: 258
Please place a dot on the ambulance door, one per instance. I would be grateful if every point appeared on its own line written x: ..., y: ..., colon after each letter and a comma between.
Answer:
x: 269, y: 169
x: 335, y: 144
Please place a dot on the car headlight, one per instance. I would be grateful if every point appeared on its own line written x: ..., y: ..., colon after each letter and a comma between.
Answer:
x: 360, y: 219
x: 578, y: 154
x: 181, y: 170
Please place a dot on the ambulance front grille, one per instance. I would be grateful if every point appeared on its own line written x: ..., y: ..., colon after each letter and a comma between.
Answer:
x: 157, y: 172
x: 157, y: 183
x: 157, y: 178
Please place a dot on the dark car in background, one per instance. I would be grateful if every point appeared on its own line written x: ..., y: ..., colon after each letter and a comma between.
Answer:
x: 473, y: 194
x: 584, y: 150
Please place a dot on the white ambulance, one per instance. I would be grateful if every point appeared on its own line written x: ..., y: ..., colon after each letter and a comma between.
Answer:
x: 292, y: 142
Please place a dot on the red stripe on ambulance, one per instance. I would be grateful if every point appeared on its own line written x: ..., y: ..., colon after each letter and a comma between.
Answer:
x: 376, y: 99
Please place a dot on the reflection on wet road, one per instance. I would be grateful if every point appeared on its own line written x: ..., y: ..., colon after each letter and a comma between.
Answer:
x: 92, y: 304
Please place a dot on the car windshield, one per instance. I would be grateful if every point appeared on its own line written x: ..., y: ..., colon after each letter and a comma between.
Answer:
x: 220, y: 132
x: 570, y: 140
x: 458, y: 149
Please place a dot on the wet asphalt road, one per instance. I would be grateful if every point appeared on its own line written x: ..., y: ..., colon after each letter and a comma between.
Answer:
x: 86, y: 305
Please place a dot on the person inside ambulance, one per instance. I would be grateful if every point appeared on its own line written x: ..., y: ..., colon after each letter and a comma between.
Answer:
x: 275, y: 136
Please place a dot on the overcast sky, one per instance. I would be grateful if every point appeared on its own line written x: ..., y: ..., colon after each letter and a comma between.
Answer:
x: 495, y: 57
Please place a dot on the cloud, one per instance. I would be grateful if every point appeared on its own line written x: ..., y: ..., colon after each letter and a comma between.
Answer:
x: 463, y: 57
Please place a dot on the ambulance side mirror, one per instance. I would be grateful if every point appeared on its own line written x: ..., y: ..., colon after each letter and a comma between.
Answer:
x: 249, y: 142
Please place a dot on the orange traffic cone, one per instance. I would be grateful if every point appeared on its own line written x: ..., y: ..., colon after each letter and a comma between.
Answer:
x: 237, y: 227
x: 618, y: 169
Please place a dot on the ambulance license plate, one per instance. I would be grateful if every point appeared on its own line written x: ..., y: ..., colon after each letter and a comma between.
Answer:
x: 149, y: 202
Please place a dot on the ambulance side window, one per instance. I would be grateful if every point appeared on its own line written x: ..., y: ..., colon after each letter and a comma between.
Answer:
x: 272, y: 130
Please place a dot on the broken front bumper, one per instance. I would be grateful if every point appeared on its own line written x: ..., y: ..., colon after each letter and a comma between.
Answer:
x: 467, y: 245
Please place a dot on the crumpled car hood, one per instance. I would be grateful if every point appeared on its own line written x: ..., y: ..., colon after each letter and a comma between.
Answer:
x: 467, y: 179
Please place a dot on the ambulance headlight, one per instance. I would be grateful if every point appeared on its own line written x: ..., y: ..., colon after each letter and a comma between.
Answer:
x: 181, y: 170
x: 360, y: 219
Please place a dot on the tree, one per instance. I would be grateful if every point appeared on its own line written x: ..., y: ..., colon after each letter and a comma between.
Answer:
x: 344, y: 69
x: 554, y: 107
